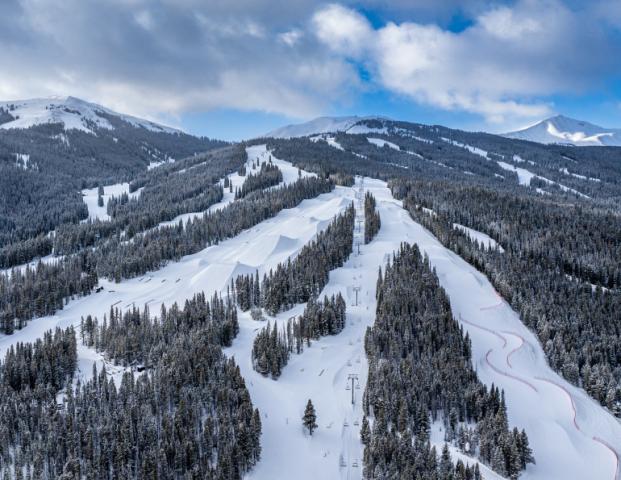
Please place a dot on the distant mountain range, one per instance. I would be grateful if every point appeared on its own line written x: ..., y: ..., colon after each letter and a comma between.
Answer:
x: 555, y: 130
x: 569, y: 131
x: 72, y: 112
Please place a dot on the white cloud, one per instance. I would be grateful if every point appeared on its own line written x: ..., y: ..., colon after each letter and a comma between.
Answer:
x: 291, y: 37
x: 505, y: 24
x: 144, y: 19
x: 495, y: 67
x: 344, y: 30
x: 294, y: 58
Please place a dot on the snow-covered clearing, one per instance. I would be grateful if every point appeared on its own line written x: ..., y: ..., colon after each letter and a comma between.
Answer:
x: 437, y: 439
x: 154, y: 164
x: 525, y: 176
x: 330, y: 140
x: 380, y: 142
x: 483, y: 238
x: 581, y: 177
x: 362, y: 129
x: 518, y: 159
x: 255, y: 153
x: 33, y: 264
x: 22, y: 160
x: 90, y: 197
x: 470, y: 148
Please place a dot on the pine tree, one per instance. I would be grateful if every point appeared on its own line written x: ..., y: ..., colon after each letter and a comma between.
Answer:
x: 310, y: 418
x: 365, y: 431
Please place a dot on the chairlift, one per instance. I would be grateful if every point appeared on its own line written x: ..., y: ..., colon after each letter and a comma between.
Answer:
x: 348, y: 387
x: 356, y: 423
x: 345, y: 424
x: 355, y: 464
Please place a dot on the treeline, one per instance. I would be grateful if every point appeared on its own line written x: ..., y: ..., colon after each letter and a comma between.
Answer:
x: 299, y: 280
x: 24, y: 251
x: 372, y: 221
x: 268, y: 175
x: 44, y: 289
x: 420, y: 369
x: 188, y: 187
x: 132, y: 338
x: 553, y: 253
x: 37, y: 197
x: 271, y: 349
x: 189, y: 415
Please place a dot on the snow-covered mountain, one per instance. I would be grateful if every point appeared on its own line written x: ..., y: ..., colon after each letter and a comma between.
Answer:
x: 561, y: 129
x: 319, y: 125
x: 72, y: 112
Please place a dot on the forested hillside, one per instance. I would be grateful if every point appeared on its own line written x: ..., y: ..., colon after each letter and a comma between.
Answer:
x: 44, y: 167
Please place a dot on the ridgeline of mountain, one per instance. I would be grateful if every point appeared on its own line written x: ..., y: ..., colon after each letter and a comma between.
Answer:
x: 52, y: 148
x: 569, y: 131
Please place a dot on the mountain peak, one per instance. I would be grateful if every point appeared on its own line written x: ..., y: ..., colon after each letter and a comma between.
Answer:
x: 565, y: 130
x: 320, y: 125
x: 72, y: 112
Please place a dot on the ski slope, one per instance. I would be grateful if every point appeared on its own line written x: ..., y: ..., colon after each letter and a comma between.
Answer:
x: 574, y: 439
x: 209, y: 270
x: 571, y: 435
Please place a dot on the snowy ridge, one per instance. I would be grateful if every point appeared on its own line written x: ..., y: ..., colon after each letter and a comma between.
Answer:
x: 321, y: 125
x: 72, y: 112
x: 561, y: 129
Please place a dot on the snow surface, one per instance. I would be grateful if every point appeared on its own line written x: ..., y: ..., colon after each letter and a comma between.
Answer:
x: 581, y: 177
x: 325, y: 125
x: 255, y: 153
x: 48, y: 259
x: 475, y: 150
x: 328, y: 139
x: 72, y: 112
x: 90, y: 197
x: 561, y: 129
x: 572, y: 436
x: 380, y: 142
x: 525, y: 176
x: 483, y: 238
x: 22, y: 160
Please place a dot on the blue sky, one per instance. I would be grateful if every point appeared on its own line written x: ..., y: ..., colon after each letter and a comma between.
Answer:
x: 234, y: 69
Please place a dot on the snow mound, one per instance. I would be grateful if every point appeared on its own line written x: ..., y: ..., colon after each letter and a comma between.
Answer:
x: 72, y: 112
x: 284, y: 244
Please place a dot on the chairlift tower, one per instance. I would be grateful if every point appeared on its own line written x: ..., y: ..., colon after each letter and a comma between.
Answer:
x: 356, y: 289
x: 354, y: 378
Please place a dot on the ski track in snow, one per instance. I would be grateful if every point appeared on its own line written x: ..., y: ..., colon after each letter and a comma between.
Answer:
x: 571, y: 440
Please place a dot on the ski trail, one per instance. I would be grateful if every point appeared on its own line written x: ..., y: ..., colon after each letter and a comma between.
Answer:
x: 562, y: 451
x: 485, y: 329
